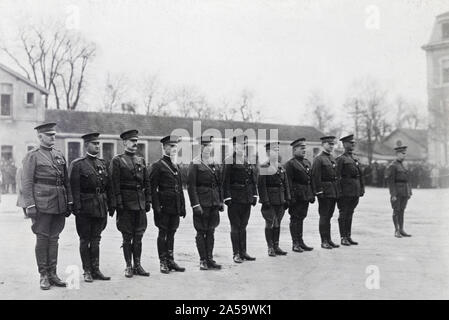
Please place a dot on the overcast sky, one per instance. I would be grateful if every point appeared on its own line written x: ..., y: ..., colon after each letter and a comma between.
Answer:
x: 279, y: 49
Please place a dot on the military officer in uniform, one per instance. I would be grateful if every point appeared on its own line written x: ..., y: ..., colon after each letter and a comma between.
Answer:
x: 325, y: 187
x: 298, y: 171
x: 240, y: 193
x: 274, y: 194
x: 132, y: 196
x: 168, y: 201
x: 92, y: 198
x: 350, y: 179
x: 206, y: 198
x: 400, y: 190
x: 48, y: 201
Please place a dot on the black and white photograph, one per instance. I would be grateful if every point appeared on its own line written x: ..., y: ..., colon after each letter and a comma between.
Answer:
x: 226, y: 153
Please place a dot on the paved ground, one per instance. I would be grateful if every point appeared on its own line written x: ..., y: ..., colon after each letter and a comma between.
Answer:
x: 410, y: 268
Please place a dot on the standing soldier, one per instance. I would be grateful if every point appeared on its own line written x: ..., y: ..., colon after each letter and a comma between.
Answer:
x: 48, y: 201
x: 400, y: 190
x: 298, y: 171
x: 240, y: 193
x: 350, y: 179
x: 131, y: 187
x: 325, y: 187
x: 274, y: 194
x: 206, y: 199
x: 168, y: 202
x: 92, y: 196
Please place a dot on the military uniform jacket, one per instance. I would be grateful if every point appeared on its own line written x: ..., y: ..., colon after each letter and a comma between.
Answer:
x: 298, y: 174
x: 204, y: 184
x: 91, y: 187
x: 350, y: 176
x: 398, y: 180
x: 324, y: 176
x: 166, y: 187
x: 45, y: 181
x: 130, y: 182
x: 239, y: 181
x: 273, y: 187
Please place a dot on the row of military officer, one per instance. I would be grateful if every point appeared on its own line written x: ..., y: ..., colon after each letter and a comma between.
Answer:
x: 128, y: 188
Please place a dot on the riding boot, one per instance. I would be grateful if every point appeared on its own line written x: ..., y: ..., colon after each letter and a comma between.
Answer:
x: 210, y: 239
x: 52, y: 263
x: 243, y: 254
x: 269, y: 239
x: 137, y: 252
x: 276, y: 235
x: 95, y: 259
x: 127, y: 253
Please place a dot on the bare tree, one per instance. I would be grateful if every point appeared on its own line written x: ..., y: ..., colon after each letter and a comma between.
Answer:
x: 321, y: 111
x: 225, y: 111
x: 150, y: 87
x: 114, y: 92
x: 54, y: 58
x: 368, y: 105
x: 245, y: 107
x: 408, y: 115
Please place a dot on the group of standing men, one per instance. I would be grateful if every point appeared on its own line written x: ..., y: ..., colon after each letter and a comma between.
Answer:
x: 90, y: 190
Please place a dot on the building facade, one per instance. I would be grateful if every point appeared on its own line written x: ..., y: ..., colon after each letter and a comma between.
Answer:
x: 21, y: 109
x: 437, y: 53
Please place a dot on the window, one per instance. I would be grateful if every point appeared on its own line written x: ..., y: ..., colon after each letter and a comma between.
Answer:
x: 6, y: 152
x: 6, y: 99
x: 107, y: 151
x: 73, y: 150
x: 30, y: 98
x: 445, y: 30
x: 142, y: 150
x: 445, y: 71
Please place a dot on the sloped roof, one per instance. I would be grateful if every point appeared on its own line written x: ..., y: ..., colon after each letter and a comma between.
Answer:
x: 418, y: 135
x: 24, y: 79
x: 382, y: 151
x: 115, y: 123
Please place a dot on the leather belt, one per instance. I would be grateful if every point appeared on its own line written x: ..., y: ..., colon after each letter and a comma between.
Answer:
x: 173, y: 188
x: 131, y: 187
x: 50, y: 182
x: 96, y: 191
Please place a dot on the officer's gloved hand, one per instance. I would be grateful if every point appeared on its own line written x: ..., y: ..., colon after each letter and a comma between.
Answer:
x: 221, y: 207
x: 69, y: 210
x: 198, y: 210
x: 228, y: 202
x: 254, y: 201
x: 111, y: 212
x: 312, y: 200
x: 31, y: 212
x: 147, y: 206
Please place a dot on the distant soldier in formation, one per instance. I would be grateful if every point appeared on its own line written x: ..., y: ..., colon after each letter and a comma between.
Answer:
x: 48, y: 201
x: 400, y: 190
x: 206, y: 199
x: 350, y: 178
x: 131, y: 187
x: 298, y: 173
x: 240, y: 193
x: 168, y: 202
x: 92, y: 199
x: 274, y: 194
x: 325, y: 187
